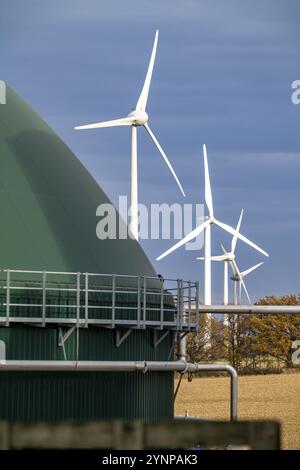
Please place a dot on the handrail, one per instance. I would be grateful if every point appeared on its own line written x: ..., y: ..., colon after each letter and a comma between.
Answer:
x: 171, y: 304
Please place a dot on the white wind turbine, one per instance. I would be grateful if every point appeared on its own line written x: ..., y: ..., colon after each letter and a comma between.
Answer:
x: 206, y: 227
x: 238, y: 278
x: 138, y: 117
x: 228, y: 257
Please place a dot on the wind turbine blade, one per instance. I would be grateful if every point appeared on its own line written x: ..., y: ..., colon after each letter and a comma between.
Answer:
x: 142, y: 101
x: 214, y: 258
x: 219, y: 258
x: 234, y: 238
x: 223, y: 249
x: 241, y: 280
x: 185, y: 240
x: 208, y: 194
x: 232, y: 265
x: 232, y: 231
x: 248, y: 271
x: 128, y: 121
x: 164, y: 157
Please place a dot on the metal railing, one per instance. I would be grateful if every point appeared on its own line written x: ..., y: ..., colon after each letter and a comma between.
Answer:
x: 107, y: 300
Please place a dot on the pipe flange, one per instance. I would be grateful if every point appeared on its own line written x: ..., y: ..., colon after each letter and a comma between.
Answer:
x: 186, y: 367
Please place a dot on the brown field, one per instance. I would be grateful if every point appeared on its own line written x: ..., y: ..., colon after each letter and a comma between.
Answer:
x: 260, y: 397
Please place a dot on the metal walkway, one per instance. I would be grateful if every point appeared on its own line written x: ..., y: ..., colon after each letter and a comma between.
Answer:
x: 105, y: 300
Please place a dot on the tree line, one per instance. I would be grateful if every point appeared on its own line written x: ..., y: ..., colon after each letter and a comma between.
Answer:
x: 249, y: 342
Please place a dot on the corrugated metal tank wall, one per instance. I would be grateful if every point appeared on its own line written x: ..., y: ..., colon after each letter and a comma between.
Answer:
x: 84, y: 395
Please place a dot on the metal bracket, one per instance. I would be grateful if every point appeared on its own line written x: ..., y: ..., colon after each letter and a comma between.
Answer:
x: 182, y: 335
x: 63, y: 338
x: 174, y: 336
x: 121, y: 338
x: 157, y: 339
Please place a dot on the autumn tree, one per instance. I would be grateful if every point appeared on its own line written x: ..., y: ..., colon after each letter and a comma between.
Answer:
x: 235, y: 332
x: 273, y: 335
x: 207, y: 344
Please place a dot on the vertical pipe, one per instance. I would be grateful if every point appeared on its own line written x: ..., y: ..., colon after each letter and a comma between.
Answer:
x: 225, y: 283
x: 182, y: 346
x: 233, y: 394
x: 134, y: 184
x: 233, y: 382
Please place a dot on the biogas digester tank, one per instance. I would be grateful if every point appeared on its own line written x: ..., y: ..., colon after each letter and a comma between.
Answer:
x: 48, y: 207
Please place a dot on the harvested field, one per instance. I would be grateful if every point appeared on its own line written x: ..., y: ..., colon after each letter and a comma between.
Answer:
x: 260, y: 397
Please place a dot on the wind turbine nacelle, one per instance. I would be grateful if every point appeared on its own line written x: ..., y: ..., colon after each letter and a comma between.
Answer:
x: 140, y: 117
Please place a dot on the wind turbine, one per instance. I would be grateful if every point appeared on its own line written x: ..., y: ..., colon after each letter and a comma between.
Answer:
x: 206, y: 227
x: 138, y: 117
x: 228, y: 257
x: 238, y: 278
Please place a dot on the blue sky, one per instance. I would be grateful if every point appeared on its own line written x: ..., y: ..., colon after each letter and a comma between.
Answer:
x: 222, y: 77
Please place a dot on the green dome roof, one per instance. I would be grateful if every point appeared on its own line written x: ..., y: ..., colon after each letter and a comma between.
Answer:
x: 48, y: 203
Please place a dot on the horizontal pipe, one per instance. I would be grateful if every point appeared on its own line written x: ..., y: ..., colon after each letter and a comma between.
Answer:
x: 105, y: 366
x: 129, y: 366
x: 248, y: 309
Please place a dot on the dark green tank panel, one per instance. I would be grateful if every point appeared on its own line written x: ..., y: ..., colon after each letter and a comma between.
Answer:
x: 48, y: 205
x: 36, y: 343
x: 78, y: 395
x: 86, y: 396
